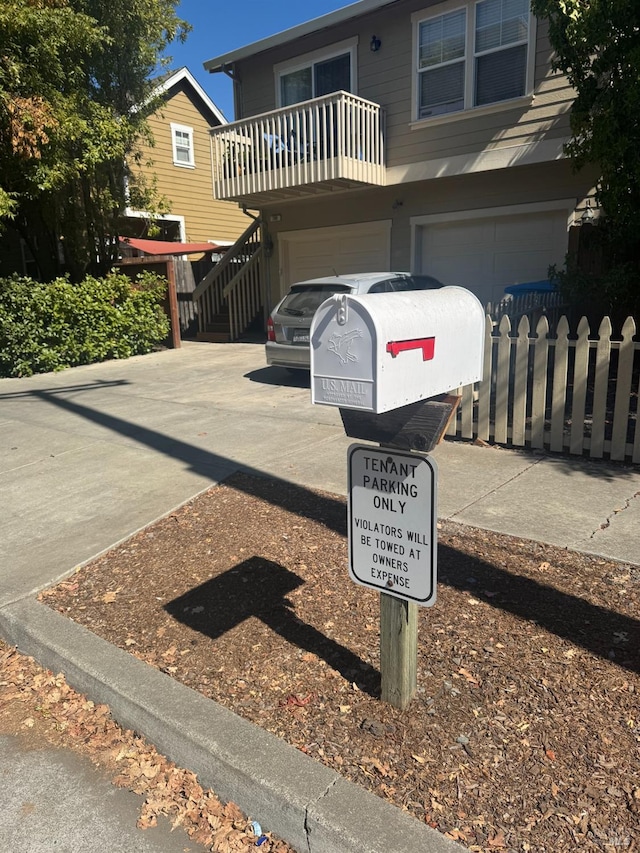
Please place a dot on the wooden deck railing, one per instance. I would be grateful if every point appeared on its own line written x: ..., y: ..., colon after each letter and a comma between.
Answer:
x: 336, y: 137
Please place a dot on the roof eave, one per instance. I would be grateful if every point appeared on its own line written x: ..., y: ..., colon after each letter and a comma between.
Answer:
x: 354, y: 10
x: 184, y: 74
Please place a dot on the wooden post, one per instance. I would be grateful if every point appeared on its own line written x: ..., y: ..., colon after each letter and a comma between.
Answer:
x: 418, y: 426
x: 163, y: 265
x: 174, y: 317
x: 399, y: 619
x: 398, y: 650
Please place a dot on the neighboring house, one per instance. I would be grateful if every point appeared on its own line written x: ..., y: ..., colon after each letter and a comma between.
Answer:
x: 405, y: 135
x: 180, y: 161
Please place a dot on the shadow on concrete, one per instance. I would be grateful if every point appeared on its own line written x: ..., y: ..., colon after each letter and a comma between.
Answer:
x: 601, y: 469
x: 259, y: 588
x: 280, y: 376
x: 48, y: 394
x: 203, y: 462
x: 588, y: 625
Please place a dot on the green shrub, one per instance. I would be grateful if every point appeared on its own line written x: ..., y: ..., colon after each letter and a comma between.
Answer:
x: 56, y: 325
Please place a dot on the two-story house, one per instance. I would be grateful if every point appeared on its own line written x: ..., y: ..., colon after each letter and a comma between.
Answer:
x: 179, y: 163
x: 422, y: 135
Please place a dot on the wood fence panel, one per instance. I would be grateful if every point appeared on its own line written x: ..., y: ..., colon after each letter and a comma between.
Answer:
x: 636, y: 439
x: 466, y: 418
x: 453, y: 427
x: 484, y: 392
x: 600, y: 389
x: 623, y: 392
x: 539, y: 387
x: 580, y: 380
x: 520, y: 384
x: 559, y: 390
x: 502, y: 382
x: 579, y: 387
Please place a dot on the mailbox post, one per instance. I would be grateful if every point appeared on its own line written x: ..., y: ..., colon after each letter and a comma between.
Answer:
x: 387, y: 361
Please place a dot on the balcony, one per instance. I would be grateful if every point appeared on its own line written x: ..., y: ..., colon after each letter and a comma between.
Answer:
x: 318, y: 146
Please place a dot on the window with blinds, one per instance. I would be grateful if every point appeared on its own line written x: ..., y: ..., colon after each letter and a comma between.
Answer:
x: 501, y: 39
x: 441, y: 63
x: 472, y: 56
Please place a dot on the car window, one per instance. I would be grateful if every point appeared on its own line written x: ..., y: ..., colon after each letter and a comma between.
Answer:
x: 304, y: 300
x: 402, y: 284
x: 423, y: 282
x: 381, y: 287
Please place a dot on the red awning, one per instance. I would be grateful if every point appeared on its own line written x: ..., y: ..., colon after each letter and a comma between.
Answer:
x: 165, y: 247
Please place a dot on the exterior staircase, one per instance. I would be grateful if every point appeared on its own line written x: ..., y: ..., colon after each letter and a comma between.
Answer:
x: 230, y: 297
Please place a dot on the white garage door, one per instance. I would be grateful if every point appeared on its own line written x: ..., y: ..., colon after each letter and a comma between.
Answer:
x: 489, y: 253
x: 365, y: 247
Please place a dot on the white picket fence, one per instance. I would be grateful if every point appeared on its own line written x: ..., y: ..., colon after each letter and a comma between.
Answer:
x: 557, y: 392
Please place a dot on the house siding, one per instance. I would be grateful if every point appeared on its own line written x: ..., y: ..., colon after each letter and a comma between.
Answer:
x: 522, y: 185
x: 385, y: 77
x: 190, y: 190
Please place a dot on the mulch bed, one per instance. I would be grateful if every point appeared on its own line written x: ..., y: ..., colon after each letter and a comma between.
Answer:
x: 525, y: 732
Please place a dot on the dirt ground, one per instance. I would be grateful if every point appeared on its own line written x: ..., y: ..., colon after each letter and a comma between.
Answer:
x: 525, y: 731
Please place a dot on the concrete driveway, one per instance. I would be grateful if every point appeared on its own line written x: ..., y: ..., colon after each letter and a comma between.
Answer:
x: 91, y: 454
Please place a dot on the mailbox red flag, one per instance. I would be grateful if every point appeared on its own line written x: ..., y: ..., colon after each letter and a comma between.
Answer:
x: 427, y: 345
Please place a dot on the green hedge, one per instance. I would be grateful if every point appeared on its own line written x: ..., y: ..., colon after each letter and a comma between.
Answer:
x: 56, y: 325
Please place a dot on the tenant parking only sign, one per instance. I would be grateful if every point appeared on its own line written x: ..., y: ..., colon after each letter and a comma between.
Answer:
x: 392, y: 522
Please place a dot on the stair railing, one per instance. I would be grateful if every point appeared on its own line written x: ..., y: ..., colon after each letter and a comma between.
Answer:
x: 233, y: 284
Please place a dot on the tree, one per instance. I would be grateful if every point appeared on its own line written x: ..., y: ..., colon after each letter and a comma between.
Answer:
x: 597, y: 45
x: 75, y: 93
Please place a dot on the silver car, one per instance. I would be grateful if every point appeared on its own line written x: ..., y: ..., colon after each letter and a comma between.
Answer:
x: 289, y: 326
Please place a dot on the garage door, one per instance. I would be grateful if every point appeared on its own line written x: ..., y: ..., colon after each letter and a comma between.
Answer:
x: 489, y: 253
x: 365, y: 247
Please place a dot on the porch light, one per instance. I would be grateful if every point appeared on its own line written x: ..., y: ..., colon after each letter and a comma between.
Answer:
x: 375, y: 44
x: 587, y: 214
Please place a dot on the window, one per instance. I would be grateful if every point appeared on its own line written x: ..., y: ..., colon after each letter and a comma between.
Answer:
x: 441, y: 60
x: 472, y: 56
x: 182, y: 142
x: 316, y: 75
x: 501, y: 38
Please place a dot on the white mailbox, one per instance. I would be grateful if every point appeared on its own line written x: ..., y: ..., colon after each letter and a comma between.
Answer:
x: 381, y: 351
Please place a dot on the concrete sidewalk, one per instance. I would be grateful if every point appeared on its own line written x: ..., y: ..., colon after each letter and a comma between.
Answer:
x: 55, y: 800
x: 90, y: 455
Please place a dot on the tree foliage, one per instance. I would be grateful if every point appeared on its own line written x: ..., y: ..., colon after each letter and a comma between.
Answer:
x: 597, y: 45
x: 75, y: 93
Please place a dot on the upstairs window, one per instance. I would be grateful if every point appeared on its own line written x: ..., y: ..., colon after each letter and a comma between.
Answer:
x: 182, y: 142
x: 501, y: 39
x: 472, y: 56
x: 441, y: 63
x: 316, y: 75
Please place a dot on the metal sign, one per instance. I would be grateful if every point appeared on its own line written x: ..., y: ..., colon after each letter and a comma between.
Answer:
x: 392, y: 522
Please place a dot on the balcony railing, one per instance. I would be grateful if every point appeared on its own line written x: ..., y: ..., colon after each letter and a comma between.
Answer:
x: 328, y: 142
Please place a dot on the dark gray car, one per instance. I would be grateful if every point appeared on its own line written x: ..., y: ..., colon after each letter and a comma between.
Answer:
x: 289, y: 326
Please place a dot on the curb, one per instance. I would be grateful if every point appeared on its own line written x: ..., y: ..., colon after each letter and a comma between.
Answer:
x: 310, y: 806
